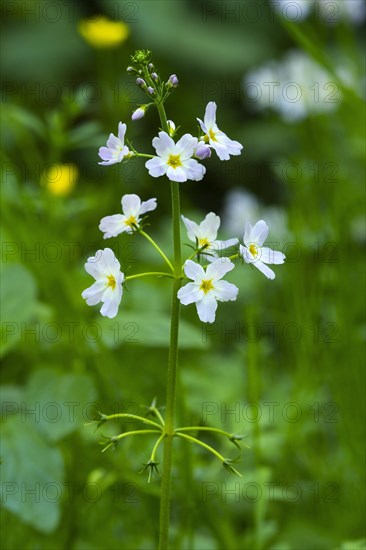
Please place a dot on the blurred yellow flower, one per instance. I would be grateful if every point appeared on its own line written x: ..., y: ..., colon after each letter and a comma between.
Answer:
x: 60, y: 179
x: 102, y: 32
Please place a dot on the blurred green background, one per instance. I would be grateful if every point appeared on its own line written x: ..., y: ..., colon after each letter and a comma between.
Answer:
x: 283, y: 365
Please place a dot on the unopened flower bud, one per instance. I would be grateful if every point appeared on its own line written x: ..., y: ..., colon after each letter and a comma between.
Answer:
x: 171, y: 127
x: 130, y: 69
x: 154, y: 76
x: 173, y: 80
x: 202, y: 151
x: 150, y: 66
x: 140, y: 82
x: 151, y: 90
x: 139, y: 113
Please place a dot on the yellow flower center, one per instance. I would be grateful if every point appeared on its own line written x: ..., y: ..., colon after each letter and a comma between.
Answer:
x: 253, y: 249
x: 111, y: 282
x: 174, y: 161
x: 212, y: 135
x: 206, y: 286
x: 131, y: 221
x: 203, y: 243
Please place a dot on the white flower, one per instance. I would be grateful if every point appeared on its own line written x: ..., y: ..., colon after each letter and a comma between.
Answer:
x: 105, y: 268
x: 219, y: 141
x: 175, y: 159
x: 116, y: 149
x: 132, y: 209
x: 205, y: 235
x: 254, y: 253
x: 207, y: 287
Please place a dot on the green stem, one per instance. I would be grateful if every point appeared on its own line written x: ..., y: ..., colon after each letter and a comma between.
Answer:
x: 203, y: 429
x: 148, y: 273
x: 153, y: 452
x: 157, y: 248
x: 172, y: 361
x: 133, y: 417
x: 204, y: 445
x: 126, y: 434
x: 158, y: 415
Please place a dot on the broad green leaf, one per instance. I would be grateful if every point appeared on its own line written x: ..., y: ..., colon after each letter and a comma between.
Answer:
x: 62, y: 402
x: 32, y: 475
x: 18, y: 302
x: 148, y: 329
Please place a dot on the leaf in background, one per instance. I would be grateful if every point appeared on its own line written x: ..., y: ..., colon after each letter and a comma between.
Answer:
x: 148, y: 329
x: 62, y: 399
x: 18, y: 302
x: 32, y: 475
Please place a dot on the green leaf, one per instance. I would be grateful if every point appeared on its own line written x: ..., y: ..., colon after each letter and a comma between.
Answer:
x: 148, y: 329
x: 18, y: 302
x: 62, y: 402
x: 32, y: 475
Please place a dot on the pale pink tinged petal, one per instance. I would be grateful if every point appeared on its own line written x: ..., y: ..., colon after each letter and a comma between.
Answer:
x: 206, y: 308
x: 176, y: 174
x: 210, y: 114
x: 189, y: 293
x: 163, y: 144
x: 105, y: 153
x: 193, y: 270
x: 217, y: 269
x: 210, y: 226
x: 192, y: 229
x: 269, y: 256
x: 147, y: 206
x: 157, y: 167
x: 186, y: 146
x: 130, y: 205
x: 113, y: 142
x: 195, y: 171
x: 225, y: 292
x: 265, y: 269
x: 122, y: 131
x: 259, y: 233
x: 247, y: 233
x: 112, y: 226
x: 203, y: 127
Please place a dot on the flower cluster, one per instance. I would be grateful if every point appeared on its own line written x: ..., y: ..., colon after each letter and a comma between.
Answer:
x: 178, y: 160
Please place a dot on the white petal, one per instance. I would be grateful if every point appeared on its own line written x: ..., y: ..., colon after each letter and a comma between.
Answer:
x: 225, y: 291
x: 186, y: 146
x: 147, y: 206
x: 192, y: 229
x: 108, y: 262
x: 203, y: 127
x: 112, y: 226
x: 113, y: 142
x: 121, y: 131
x: 193, y: 270
x: 189, y: 293
x: 131, y: 205
x: 206, y: 308
x: 267, y: 271
x: 247, y: 255
x: 221, y: 150
x: 210, y: 114
x: 92, y: 267
x: 247, y: 232
x: 109, y: 309
x: 210, y: 226
x: 269, y: 256
x: 163, y: 144
x: 177, y: 174
x: 259, y: 233
x: 223, y: 245
x: 157, y: 167
x: 219, y: 268
x: 194, y: 170
x: 93, y: 294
